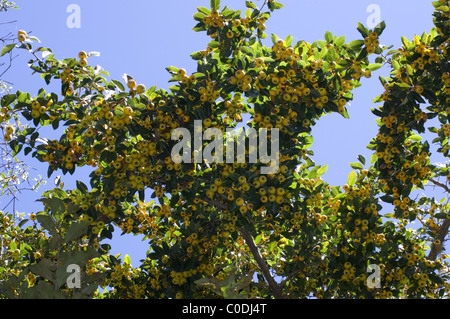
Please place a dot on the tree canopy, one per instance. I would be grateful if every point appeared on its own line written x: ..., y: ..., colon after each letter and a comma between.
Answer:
x: 221, y: 229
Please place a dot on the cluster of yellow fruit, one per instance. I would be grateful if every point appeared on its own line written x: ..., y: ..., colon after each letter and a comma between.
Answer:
x: 82, y: 55
x: 285, y: 53
x: 67, y: 76
x: 60, y: 155
x: 359, y: 72
x: 122, y: 278
x: 371, y: 42
x: 37, y: 109
x: 215, y: 19
x: 135, y: 88
x: 234, y: 107
x: 208, y: 93
x: 9, y: 131
x: 141, y: 222
x: 243, y: 81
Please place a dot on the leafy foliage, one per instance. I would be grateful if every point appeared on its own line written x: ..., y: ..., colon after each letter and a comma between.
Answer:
x: 222, y: 230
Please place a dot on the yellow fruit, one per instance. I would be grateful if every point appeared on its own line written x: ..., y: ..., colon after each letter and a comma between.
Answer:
x: 140, y: 89
x: 131, y: 84
x: 239, y: 74
x: 82, y: 55
x: 419, y: 89
x: 82, y: 63
x: 373, y: 35
x: 21, y: 35
x: 10, y: 130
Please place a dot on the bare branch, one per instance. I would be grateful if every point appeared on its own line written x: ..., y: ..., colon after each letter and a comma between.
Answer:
x: 437, y: 183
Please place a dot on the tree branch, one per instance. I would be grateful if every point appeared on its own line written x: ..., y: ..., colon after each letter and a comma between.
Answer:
x: 276, y: 289
x: 435, y: 182
x: 274, y: 286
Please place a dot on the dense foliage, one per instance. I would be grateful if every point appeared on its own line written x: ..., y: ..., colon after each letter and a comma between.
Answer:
x: 223, y: 230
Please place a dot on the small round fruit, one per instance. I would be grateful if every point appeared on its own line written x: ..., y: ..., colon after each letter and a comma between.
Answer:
x: 21, y: 35
x: 131, y: 84
x: 83, y: 63
x: 82, y: 55
x: 140, y: 89
x: 21, y: 38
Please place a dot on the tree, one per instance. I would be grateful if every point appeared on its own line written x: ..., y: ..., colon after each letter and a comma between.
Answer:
x: 220, y: 229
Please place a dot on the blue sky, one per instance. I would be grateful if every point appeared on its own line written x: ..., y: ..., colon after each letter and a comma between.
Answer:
x: 141, y: 38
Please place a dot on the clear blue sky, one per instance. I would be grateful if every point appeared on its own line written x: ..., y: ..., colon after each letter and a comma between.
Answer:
x: 141, y: 38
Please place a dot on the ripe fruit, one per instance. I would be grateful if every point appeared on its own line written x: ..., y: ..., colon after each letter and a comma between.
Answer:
x: 9, y: 130
x: 140, y: 89
x: 21, y: 35
x: 419, y: 89
x: 82, y: 55
x: 131, y: 84
x: 82, y: 63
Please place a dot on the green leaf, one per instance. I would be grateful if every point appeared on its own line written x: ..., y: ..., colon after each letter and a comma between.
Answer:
x: 47, y: 222
x: 339, y: 41
x: 215, y: 4
x: 198, y: 16
x: 380, y: 27
x: 363, y: 30
x: 250, y: 4
x: 288, y: 41
x: 374, y: 66
x: 127, y: 260
x: 76, y: 230
x: 119, y: 85
x: 356, y: 165
x: 44, y: 268
x: 328, y: 36
x: 274, y: 38
x: 362, y: 159
x: 8, y: 99
x: 82, y: 187
x: 7, y: 48
x: 204, y: 10
x: 322, y: 170
x: 415, y: 138
x: 356, y: 44
x: 351, y: 178
x: 274, y: 5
